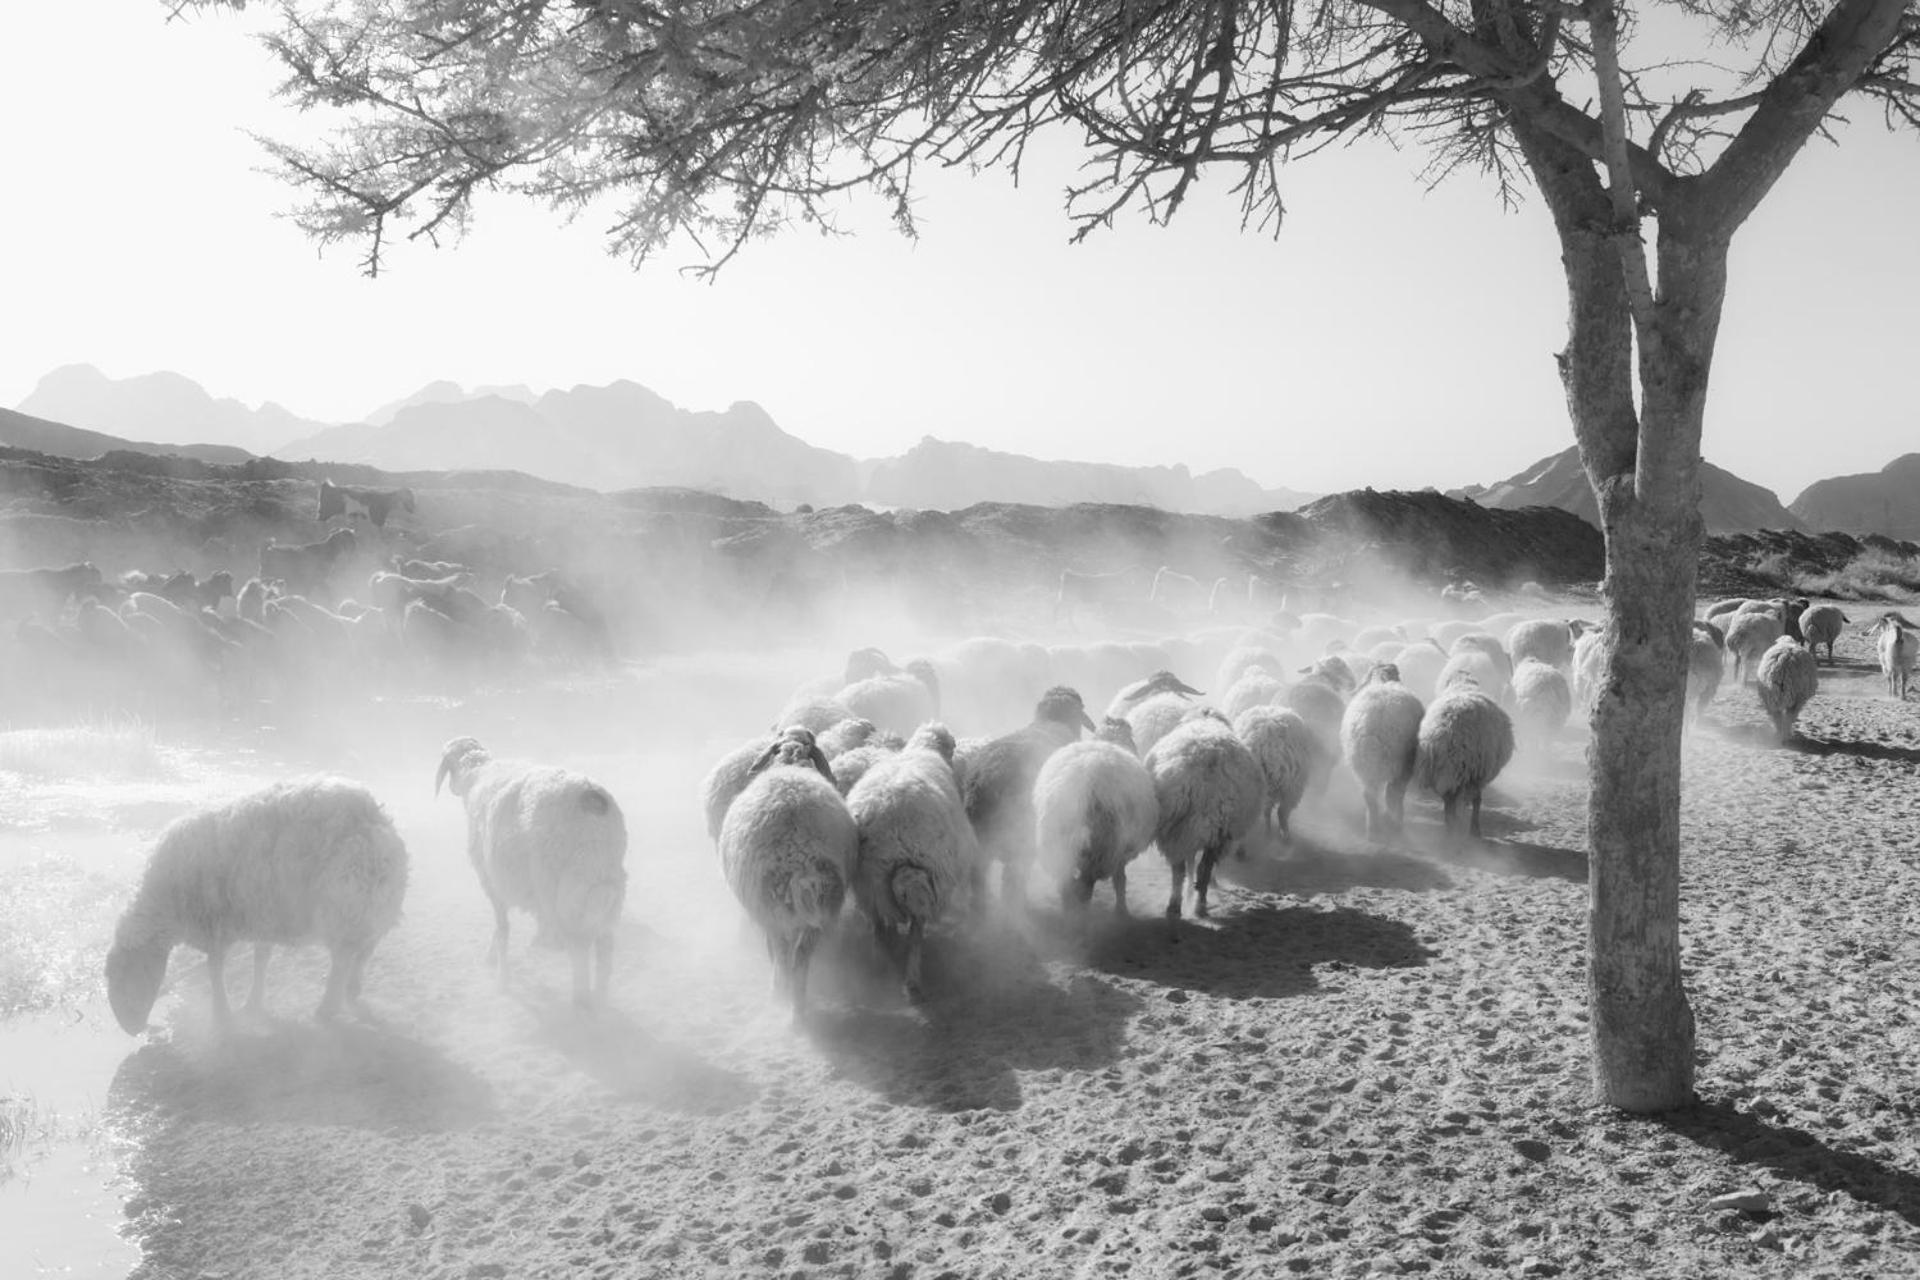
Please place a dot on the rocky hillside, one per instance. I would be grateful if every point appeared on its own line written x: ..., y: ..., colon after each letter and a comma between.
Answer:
x: 160, y: 406
x: 1728, y: 503
x: 22, y: 431
x: 1885, y: 502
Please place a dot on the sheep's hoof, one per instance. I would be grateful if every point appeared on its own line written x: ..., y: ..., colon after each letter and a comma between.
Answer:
x: 916, y: 994
x: 1201, y: 909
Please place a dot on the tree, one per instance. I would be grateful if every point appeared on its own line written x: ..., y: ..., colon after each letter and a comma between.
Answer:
x: 732, y: 118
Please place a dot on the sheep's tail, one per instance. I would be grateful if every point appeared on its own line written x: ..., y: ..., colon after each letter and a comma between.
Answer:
x: 586, y: 905
x: 915, y: 893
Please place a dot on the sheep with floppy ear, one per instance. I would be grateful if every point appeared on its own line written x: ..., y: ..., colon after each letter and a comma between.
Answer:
x: 300, y: 862
x: 550, y: 842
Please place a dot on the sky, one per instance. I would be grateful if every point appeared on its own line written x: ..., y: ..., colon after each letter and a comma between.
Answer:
x: 1391, y: 336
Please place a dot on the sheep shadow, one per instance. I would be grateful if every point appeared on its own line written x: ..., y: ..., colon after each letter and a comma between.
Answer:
x: 992, y: 1010
x: 633, y: 1063
x: 1515, y: 858
x: 1794, y: 1153
x: 355, y: 1076
x: 1260, y: 950
x: 1309, y: 867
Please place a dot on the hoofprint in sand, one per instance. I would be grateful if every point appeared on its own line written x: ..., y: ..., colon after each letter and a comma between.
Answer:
x: 1372, y: 1059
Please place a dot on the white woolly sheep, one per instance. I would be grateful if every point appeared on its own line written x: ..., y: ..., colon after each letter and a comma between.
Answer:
x: 1481, y: 642
x: 550, y: 842
x: 301, y: 862
x: 915, y: 843
x: 306, y: 568
x: 1155, y: 717
x: 1335, y: 672
x: 1476, y: 667
x: 1210, y: 792
x: 1322, y: 707
x: 1749, y: 636
x: 1367, y: 639
x: 1243, y: 659
x: 1379, y: 735
x: 897, y: 703
x: 1420, y: 664
x: 1548, y: 640
x: 997, y: 786
x: 1591, y: 653
x: 814, y: 713
x: 1822, y: 624
x: 1257, y: 688
x: 788, y: 847
x: 1094, y: 812
x: 1289, y: 754
x: 851, y: 766
x: 1788, y: 677
x: 1897, y: 645
x: 1465, y: 741
x: 845, y: 736
x: 1542, y: 701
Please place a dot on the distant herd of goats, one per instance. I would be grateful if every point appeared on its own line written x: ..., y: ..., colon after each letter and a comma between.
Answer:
x: 160, y: 643
x: 861, y: 790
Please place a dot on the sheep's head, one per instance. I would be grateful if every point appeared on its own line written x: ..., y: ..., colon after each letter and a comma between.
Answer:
x: 1333, y: 673
x: 134, y: 975
x: 1117, y: 731
x: 933, y: 736
x: 1383, y: 673
x: 457, y: 762
x: 794, y: 747
x: 1064, y: 706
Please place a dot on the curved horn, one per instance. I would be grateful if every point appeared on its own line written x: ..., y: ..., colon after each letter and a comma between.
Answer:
x: 455, y: 751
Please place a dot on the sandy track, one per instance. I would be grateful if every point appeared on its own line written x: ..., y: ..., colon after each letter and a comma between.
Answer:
x: 1372, y: 1060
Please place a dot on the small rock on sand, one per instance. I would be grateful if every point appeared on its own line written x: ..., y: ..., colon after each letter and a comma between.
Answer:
x: 1750, y: 1200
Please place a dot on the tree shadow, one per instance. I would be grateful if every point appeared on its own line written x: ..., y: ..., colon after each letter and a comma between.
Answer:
x: 355, y: 1076
x: 635, y: 1064
x: 991, y: 1010
x: 1865, y: 749
x: 1797, y: 1154
x: 1257, y: 951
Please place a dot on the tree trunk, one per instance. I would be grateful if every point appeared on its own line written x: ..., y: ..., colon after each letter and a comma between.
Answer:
x: 1642, y: 1026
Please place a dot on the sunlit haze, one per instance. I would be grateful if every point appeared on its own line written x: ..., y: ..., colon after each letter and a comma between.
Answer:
x: 1392, y: 336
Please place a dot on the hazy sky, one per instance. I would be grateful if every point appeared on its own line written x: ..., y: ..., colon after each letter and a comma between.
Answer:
x: 1391, y: 336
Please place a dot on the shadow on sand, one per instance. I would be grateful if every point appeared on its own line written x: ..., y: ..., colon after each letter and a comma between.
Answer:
x: 350, y: 1075
x: 1797, y: 1154
x: 992, y: 1009
x: 1862, y: 749
x: 1312, y: 864
x: 1253, y: 951
x: 634, y: 1063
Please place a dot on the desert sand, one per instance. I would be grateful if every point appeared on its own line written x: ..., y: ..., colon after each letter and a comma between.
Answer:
x: 1370, y: 1060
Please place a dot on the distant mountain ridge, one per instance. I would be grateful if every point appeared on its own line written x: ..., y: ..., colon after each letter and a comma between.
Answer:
x: 23, y: 431
x: 1886, y: 501
x: 1728, y: 504
x: 624, y: 436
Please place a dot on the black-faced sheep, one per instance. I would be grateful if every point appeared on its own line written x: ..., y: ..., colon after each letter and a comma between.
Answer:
x: 296, y: 863
x: 550, y: 842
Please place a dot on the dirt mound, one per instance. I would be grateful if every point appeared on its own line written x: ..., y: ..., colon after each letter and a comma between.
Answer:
x: 1430, y: 536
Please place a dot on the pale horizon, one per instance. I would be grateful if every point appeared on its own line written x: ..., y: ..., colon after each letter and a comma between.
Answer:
x: 1391, y: 337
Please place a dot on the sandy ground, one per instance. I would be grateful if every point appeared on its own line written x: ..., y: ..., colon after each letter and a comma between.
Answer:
x: 1371, y: 1060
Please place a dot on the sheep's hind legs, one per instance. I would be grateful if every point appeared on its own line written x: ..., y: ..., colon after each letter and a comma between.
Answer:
x: 256, y: 1005
x: 802, y: 960
x: 916, y: 935
x: 602, y: 968
x: 582, y: 982
x: 347, y: 959
x: 217, y: 978
x: 497, y: 951
x: 1179, y: 889
x: 1120, y: 893
x: 1202, y: 878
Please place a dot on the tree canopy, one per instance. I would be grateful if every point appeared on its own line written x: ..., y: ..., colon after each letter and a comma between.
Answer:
x: 728, y: 118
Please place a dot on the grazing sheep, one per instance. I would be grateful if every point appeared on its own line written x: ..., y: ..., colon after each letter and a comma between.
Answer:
x: 306, y: 568
x: 1706, y: 666
x: 1288, y: 752
x: 315, y: 860
x: 1749, y: 636
x: 1465, y: 741
x: 1210, y: 792
x: 1549, y: 640
x: 551, y: 842
x: 1788, y: 677
x: 789, y: 846
x: 1542, y: 701
x: 998, y: 787
x: 915, y: 843
x: 1822, y: 624
x: 1379, y: 735
x: 1095, y: 812
x: 1591, y: 653
x: 1897, y: 643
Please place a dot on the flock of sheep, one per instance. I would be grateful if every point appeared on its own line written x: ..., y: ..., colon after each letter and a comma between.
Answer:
x: 164, y: 643
x: 862, y: 790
